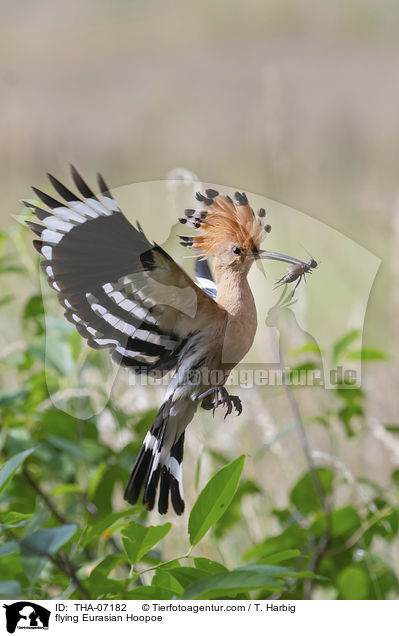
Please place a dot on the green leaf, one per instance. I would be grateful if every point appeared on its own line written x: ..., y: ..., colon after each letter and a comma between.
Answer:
x: 66, y: 446
x: 140, y: 539
x: 164, y: 579
x: 32, y: 564
x: 6, y: 299
x: 105, y: 482
x: 349, y: 392
x: 10, y: 397
x: 58, y: 423
x: 232, y: 514
x: 57, y: 324
x: 343, y: 523
x: 36, y: 547
x: 10, y: 467
x: 384, y: 580
x: 366, y: 355
x: 347, y: 413
x: 58, y: 354
x: 49, y: 540
x: 166, y: 565
x: 8, y: 548
x: 280, y: 557
x: 207, y: 565
x: 34, y: 307
x: 214, y: 499
x: 353, y: 583
x: 239, y: 580
x: 75, y: 345
x: 310, y: 347
x: 186, y: 575
x: 292, y: 538
x: 98, y: 528
x: 10, y: 589
x: 103, y: 587
x: 304, y: 495
x: 12, y: 269
x: 297, y: 375
x: 341, y: 345
x: 65, y: 489
x: 105, y: 566
x: 13, y: 518
x: 150, y: 593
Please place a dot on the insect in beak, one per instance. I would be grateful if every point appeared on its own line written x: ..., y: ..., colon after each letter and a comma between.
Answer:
x: 276, y: 256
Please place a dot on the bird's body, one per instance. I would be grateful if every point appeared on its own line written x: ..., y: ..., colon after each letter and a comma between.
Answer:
x: 126, y: 294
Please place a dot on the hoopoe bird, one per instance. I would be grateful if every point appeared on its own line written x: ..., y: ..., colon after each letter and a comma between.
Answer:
x: 126, y: 294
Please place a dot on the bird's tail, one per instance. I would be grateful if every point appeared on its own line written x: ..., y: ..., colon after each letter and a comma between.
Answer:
x: 157, y: 466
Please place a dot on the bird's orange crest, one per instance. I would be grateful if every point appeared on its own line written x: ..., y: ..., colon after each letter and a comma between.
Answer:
x: 221, y: 220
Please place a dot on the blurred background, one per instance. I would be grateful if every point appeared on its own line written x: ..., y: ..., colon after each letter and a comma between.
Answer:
x: 297, y: 102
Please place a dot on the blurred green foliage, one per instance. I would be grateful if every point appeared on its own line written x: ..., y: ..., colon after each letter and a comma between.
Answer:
x: 65, y: 533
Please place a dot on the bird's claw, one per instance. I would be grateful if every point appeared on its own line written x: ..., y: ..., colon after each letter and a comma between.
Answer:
x: 223, y: 398
x: 236, y: 403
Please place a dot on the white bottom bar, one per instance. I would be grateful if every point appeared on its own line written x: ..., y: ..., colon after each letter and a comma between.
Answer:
x: 156, y: 617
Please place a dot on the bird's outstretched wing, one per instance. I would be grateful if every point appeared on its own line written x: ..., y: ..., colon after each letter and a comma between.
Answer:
x: 122, y: 292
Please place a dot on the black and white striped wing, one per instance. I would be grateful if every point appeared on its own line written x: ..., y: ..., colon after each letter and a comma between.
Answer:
x: 122, y: 292
x: 204, y: 277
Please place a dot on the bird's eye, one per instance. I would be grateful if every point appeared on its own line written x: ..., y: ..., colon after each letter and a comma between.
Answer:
x: 236, y: 250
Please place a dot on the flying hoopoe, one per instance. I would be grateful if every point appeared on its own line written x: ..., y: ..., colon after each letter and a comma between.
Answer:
x: 126, y: 294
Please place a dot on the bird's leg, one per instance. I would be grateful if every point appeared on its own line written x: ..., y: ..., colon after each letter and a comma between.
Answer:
x: 221, y: 397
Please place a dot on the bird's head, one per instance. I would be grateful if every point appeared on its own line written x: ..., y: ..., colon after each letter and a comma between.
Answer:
x: 228, y: 231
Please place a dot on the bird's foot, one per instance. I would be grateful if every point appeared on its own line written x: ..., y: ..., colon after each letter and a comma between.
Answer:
x: 221, y: 397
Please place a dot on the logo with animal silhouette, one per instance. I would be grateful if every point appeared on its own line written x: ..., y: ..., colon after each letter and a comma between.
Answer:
x: 26, y: 615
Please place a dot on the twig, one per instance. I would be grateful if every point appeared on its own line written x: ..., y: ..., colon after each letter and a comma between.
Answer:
x: 155, y: 567
x: 324, y: 503
x: 356, y: 536
x: 63, y: 563
x: 317, y: 554
x: 33, y: 484
x: 305, y: 444
x: 50, y: 505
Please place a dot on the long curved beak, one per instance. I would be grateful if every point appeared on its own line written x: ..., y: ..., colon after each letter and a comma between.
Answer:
x: 276, y: 256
